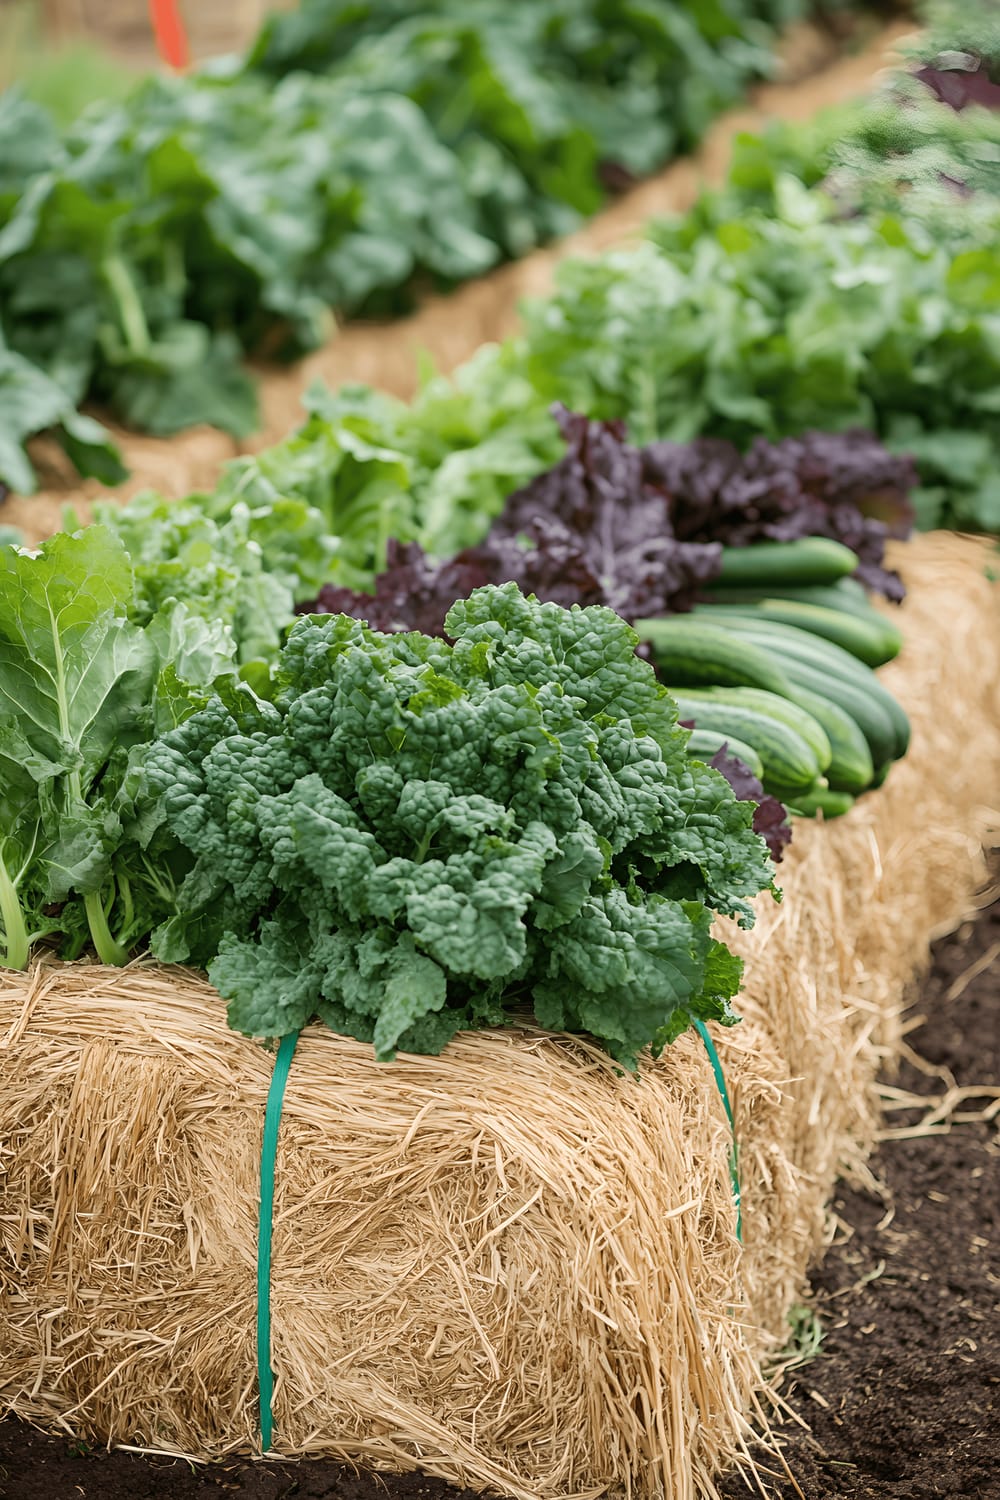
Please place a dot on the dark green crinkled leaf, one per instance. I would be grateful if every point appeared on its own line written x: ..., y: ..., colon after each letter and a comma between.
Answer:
x: 418, y: 837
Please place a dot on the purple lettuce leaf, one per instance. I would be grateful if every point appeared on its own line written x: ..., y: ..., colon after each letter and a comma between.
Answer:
x: 414, y: 592
x: 843, y: 485
x: 597, y: 500
x: 770, y: 819
x: 959, y: 87
x: 411, y: 593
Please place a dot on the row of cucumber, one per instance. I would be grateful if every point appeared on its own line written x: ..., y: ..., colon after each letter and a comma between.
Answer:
x: 778, y: 664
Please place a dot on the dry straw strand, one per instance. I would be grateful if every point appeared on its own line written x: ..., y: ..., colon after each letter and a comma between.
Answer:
x: 508, y: 1266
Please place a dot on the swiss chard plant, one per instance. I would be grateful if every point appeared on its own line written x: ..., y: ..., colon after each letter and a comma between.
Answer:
x: 83, y: 686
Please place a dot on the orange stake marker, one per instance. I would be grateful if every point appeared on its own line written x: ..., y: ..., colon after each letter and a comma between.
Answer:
x: 171, y: 38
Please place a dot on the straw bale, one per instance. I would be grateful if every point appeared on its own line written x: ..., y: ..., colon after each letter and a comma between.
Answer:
x: 508, y: 1266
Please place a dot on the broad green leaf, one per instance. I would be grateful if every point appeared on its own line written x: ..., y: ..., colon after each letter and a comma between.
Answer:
x: 73, y: 671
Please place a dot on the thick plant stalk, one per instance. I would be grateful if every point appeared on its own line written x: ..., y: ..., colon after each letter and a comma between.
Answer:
x: 109, y: 950
x: 15, y: 935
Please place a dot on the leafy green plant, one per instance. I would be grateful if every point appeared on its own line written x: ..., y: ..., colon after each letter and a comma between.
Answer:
x: 82, y: 686
x: 241, y: 569
x: 415, y: 837
x: 358, y: 154
x: 955, y: 27
x: 902, y: 151
x: 772, y: 324
x: 406, y: 836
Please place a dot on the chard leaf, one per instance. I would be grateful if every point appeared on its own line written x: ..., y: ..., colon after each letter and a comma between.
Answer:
x: 75, y: 680
x: 73, y: 670
x: 31, y: 401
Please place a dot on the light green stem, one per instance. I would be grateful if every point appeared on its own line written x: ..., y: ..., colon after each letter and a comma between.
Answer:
x: 108, y: 950
x: 130, y: 307
x: 15, y: 935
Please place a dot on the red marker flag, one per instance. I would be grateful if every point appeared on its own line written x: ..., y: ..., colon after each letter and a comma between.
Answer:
x: 171, y: 38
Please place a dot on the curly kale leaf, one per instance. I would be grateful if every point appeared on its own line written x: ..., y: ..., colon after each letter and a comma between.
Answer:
x: 420, y: 837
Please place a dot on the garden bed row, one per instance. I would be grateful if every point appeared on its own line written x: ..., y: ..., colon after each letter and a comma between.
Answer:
x: 349, y: 159
x: 447, y: 329
x: 428, y: 1209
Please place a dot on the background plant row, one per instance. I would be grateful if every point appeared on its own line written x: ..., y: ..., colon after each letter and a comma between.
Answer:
x: 356, y: 153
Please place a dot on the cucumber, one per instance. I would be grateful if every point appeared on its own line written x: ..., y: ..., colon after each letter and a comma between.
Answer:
x: 784, y: 755
x: 873, y: 641
x: 865, y: 709
x: 851, y: 768
x: 704, y: 743
x: 825, y: 800
x: 811, y: 559
x: 790, y: 640
x: 790, y: 644
x: 691, y: 652
x: 846, y: 594
x: 784, y: 709
x: 881, y: 772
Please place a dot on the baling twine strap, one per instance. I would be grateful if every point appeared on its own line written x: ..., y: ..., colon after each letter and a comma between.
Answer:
x: 734, y: 1158
x: 268, y: 1154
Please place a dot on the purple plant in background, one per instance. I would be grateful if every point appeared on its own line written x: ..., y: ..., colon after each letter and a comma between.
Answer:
x: 843, y: 485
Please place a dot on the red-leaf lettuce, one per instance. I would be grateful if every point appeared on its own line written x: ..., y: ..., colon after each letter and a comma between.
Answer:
x: 843, y: 485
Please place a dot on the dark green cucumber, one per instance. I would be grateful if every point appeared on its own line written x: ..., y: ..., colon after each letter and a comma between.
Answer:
x: 691, y: 652
x: 782, y: 708
x: 784, y: 755
x: 704, y: 743
x: 851, y: 768
x: 825, y: 800
x: 846, y: 594
x: 811, y: 559
x: 881, y: 773
x: 873, y: 641
x: 866, y: 710
x: 788, y: 644
x: 752, y: 625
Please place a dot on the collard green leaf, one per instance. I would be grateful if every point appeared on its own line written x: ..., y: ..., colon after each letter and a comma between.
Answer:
x: 75, y: 678
x: 30, y: 402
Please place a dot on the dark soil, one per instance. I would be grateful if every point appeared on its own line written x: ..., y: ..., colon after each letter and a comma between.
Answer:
x: 902, y: 1401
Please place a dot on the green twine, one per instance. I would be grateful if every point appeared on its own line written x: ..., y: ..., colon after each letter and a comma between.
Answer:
x: 268, y: 1152
x: 734, y: 1163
